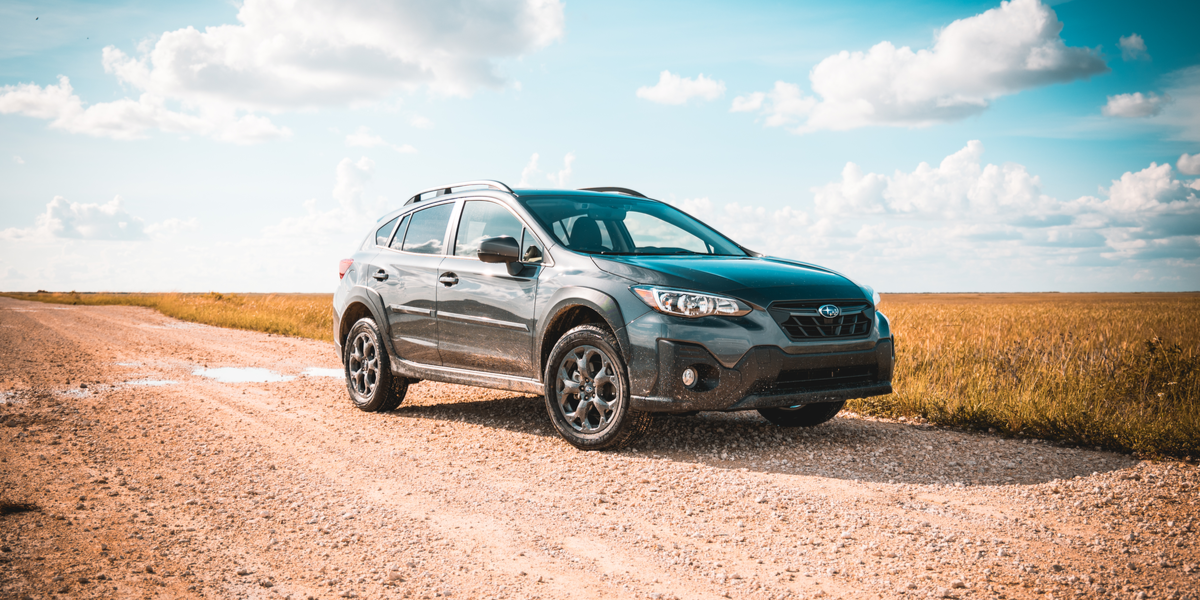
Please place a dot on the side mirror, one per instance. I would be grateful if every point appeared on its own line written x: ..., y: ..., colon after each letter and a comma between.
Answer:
x: 501, y: 250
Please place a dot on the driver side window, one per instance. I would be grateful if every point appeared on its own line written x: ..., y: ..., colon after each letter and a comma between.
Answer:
x: 482, y: 220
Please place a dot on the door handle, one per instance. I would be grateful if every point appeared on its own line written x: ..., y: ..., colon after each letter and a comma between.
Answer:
x: 380, y: 275
x: 448, y: 279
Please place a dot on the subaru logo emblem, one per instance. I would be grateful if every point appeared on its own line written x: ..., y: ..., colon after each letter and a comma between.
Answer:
x: 829, y: 311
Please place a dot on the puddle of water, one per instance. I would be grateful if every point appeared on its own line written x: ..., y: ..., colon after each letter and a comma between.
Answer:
x: 242, y: 375
x: 319, y: 372
x: 154, y: 382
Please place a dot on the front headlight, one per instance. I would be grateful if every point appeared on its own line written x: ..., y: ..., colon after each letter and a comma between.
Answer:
x: 682, y: 303
x: 872, y: 294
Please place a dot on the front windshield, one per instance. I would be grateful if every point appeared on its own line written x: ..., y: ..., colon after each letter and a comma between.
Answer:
x: 626, y: 225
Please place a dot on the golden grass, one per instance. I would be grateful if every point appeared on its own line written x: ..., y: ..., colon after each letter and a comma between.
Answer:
x: 1121, y: 371
x: 301, y: 315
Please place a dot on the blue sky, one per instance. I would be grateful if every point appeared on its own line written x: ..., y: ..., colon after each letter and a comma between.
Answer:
x: 916, y: 146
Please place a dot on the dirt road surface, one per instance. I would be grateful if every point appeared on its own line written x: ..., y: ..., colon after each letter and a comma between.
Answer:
x: 144, y: 488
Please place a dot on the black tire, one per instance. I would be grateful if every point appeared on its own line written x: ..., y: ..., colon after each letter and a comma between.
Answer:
x: 597, y: 415
x: 369, y: 377
x: 809, y: 415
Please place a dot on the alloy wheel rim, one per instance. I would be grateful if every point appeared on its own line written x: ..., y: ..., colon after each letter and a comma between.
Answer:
x: 364, y: 365
x: 588, y: 389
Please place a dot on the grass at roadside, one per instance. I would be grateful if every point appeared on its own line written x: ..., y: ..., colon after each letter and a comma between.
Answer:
x: 1120, y: 371
x: 301, y: 315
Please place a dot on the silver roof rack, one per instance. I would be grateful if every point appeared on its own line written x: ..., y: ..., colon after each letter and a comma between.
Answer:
x: 618, y: 190
x: 442, y: 190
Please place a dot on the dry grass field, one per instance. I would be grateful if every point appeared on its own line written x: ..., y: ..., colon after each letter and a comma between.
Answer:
x: 1119, y: 371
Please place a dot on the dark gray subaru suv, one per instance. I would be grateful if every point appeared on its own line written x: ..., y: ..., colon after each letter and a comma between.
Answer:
x: 612, y: 305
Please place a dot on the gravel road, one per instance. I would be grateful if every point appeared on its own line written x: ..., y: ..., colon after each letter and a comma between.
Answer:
x: 204, y: 488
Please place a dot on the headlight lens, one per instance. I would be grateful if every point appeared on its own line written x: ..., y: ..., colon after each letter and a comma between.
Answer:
x: 682, y: 303
x: 871, y: 293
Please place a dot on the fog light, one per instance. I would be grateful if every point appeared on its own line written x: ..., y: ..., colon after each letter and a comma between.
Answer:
x: 689, y: 377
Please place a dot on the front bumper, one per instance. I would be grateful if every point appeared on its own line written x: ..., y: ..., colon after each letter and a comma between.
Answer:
x: 766, y: 377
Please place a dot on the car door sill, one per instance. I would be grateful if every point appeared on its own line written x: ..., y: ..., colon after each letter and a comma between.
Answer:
x: 458, y: 375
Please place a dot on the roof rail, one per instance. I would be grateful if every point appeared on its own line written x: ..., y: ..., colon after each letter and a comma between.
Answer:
x: 442, y: 190
x: 619, y: 190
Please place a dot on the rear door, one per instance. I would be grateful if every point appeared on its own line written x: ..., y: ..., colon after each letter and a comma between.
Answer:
x: 406, y: 277
x: 485, y: 315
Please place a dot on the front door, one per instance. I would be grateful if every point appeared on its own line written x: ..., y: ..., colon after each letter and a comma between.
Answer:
x: 485, y: 315
x: 407, y: 280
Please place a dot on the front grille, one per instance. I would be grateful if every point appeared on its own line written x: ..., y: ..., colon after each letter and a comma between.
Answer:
x: 801, y: 321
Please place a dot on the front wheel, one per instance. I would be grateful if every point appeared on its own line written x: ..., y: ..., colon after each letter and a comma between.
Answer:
x: 809, y: 415
x: 587, y: 391
x: 369, y: 377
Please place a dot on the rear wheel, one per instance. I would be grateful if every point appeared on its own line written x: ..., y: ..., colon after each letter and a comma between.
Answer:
x: 809, y: 415
x: 369, y: 377
x: 587, y: 391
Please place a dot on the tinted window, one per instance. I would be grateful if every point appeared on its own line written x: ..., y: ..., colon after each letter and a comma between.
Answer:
x: 399, y: 233
x: 383, y: 234
x: 625, y: 225
x: 427, y: 230
x: 482, y: 220
x: 532, y: 251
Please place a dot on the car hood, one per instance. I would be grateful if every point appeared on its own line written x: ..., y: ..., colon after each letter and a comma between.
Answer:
x: 761, y: 280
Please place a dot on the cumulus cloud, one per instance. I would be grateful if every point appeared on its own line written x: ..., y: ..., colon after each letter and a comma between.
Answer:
x: 297, y: 54
x: 961, y: 186
x: 285, y: 54
x: 63, y: 219
x: 675, y: 89
x: 963, y: 224
x: 1189, y: 164
x: 973, y: 61
x: 18, y: 160
x: 365, y: 139
x: 1135, y: 105
x: 128, y: 119
x: 1133, y: 47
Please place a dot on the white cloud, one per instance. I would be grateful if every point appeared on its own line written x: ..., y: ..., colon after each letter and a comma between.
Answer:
x: 959, y: 187
x: 1135, y: 105
x: 287, y: 54
x: 296, y: 54
x: 964, y: 225
x: 62, y: 219
x: 531, y: 172
x: 365, y: 139
x: 18, y: 160
x: 1133, y: 47
x: 172, y: 227
x: 1189, y: 164
x: 421, y: 122
x: 974, y: 60
x: 561, y: 178
x: 127, y: 119
x: 675, y: 89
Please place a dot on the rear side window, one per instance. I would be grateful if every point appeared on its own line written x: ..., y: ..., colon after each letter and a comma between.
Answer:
x: 427, y: 230
x: 384, y: 234
x: 482, y: 220
x: 399, y: 239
